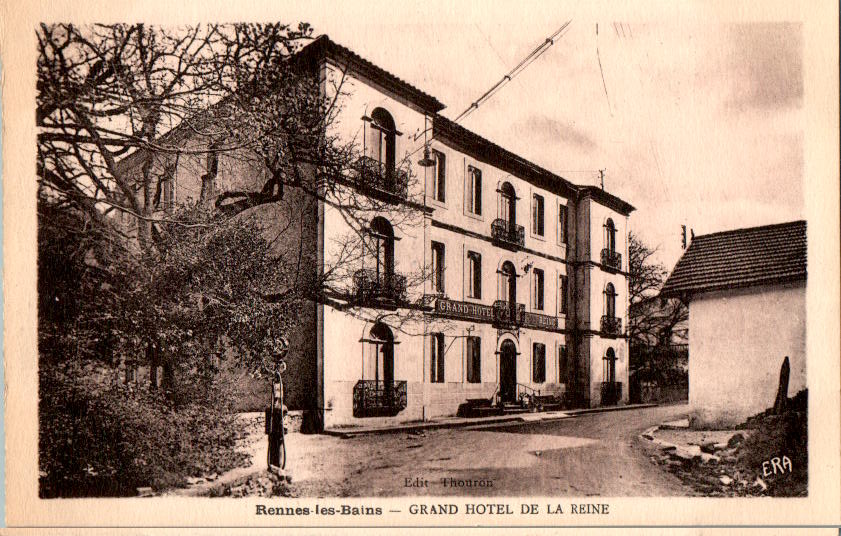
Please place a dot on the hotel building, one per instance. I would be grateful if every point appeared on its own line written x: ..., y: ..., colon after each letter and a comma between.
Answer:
x: 527, y: 294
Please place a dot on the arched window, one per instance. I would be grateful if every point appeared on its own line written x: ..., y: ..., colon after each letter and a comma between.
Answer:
x: 508, y: 283
x: 610, y: 236
x: 381, y: 355
x: 382, y: 140
x: 382, y: 238
x: 508, y: 204
x: 610, y: 301
x: 610, y: 366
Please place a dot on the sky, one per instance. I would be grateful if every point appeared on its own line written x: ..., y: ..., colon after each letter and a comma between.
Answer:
x: 698, y: 122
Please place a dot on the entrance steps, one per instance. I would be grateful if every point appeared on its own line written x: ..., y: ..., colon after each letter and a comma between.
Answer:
x: 484, y: 408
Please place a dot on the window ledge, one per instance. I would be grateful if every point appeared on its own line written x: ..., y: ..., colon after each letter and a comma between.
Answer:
x: 432, y: 202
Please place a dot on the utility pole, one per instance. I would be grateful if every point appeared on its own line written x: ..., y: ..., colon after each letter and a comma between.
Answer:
x: 601, y: 177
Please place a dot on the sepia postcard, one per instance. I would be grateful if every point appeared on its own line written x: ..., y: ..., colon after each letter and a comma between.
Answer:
x: 371, y: 265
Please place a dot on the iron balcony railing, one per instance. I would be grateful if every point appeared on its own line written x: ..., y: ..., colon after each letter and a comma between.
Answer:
x: 611, y: 259
x: 507, y: 233
x: 611, y: 393
x: 371, y: 285
x: 376, y: 177
x: 377, y: 398
x: 611, y: 325
x: 509, y: 314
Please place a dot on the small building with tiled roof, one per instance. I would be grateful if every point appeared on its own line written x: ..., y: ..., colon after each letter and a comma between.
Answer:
x: 746, y: 290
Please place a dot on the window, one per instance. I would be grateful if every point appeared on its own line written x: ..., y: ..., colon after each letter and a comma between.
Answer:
x: 508, y: 204
x: 609, y: 374
x: 563, y: 364
x: 538, y: 289
x: 168, y: 193
x: 436, y: 374
x: 562, y: 296
x: 380, y: 363
x: 538, y: 363
x: 382, y: 234
x: 439, y: 184
x: 537, y: 215
x: 610, y: 236
x: 562, y: 224
x: 382, y: 138
x: 474, y: 191
x: 508, y: 283
x: 474, y: 267
x: 474, y: 360
x: 438, y: 267
x: 610, y: 301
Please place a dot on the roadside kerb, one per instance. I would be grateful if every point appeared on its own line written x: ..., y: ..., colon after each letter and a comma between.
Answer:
x: 464, y: 422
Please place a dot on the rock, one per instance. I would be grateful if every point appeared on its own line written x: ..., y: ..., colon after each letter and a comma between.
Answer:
x: 668, y: 448
x: 709, y: 447
x: 726, y: 480
x: 212, y: 477
x: 709, y: 458
x: 144, y: 492
x: 719, y: 446
x: 735, y: 441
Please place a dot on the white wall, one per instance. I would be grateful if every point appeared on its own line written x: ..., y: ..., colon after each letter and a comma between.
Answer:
x: 737, y: 342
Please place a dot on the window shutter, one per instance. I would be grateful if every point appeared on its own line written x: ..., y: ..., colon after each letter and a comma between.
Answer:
x: 478, y: 191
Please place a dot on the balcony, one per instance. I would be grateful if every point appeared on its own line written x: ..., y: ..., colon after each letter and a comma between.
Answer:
x: 611, y: 326
x: 611, y: 393
x: 370, y: 286
x: 377, y: 398
x: 507, y: 314
x: 374, y: 178
x: 508, y: 234
x: 611, y: 259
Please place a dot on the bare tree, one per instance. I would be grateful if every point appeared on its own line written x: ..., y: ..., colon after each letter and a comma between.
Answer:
x: 655, y: 325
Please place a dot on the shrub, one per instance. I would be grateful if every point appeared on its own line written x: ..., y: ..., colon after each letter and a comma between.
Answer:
x: 99, y: 437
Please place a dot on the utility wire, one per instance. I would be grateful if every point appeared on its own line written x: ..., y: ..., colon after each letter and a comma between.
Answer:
x: 601, y: 71
x: 536, y: 53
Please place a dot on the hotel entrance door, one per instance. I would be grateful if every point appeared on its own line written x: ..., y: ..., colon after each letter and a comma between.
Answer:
x: 508, y: 372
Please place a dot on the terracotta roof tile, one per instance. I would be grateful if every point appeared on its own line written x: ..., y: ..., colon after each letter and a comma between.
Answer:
x: 741, y: 258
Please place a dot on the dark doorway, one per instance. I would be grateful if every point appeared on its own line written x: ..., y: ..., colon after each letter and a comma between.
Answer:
x: 507, y: 372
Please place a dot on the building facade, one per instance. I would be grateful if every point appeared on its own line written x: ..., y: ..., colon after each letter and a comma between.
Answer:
x: 524, y: 291
x: 527, y: 293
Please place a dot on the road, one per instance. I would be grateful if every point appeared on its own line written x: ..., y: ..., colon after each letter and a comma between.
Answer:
x: 590, y: 455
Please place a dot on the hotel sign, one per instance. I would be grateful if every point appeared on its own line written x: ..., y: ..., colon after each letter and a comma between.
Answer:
x: 487, y: 313
x: 468, y: 311
x: 539, y: 321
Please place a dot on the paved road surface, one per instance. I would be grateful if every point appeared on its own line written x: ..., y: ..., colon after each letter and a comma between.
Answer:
x: 596, y: 454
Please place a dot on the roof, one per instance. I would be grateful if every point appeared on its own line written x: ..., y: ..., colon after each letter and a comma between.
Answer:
x: 447, y: 130
x: 322, y: 47
x: 483, y: 149
x: 607, y: 199
x: 741, y: 258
